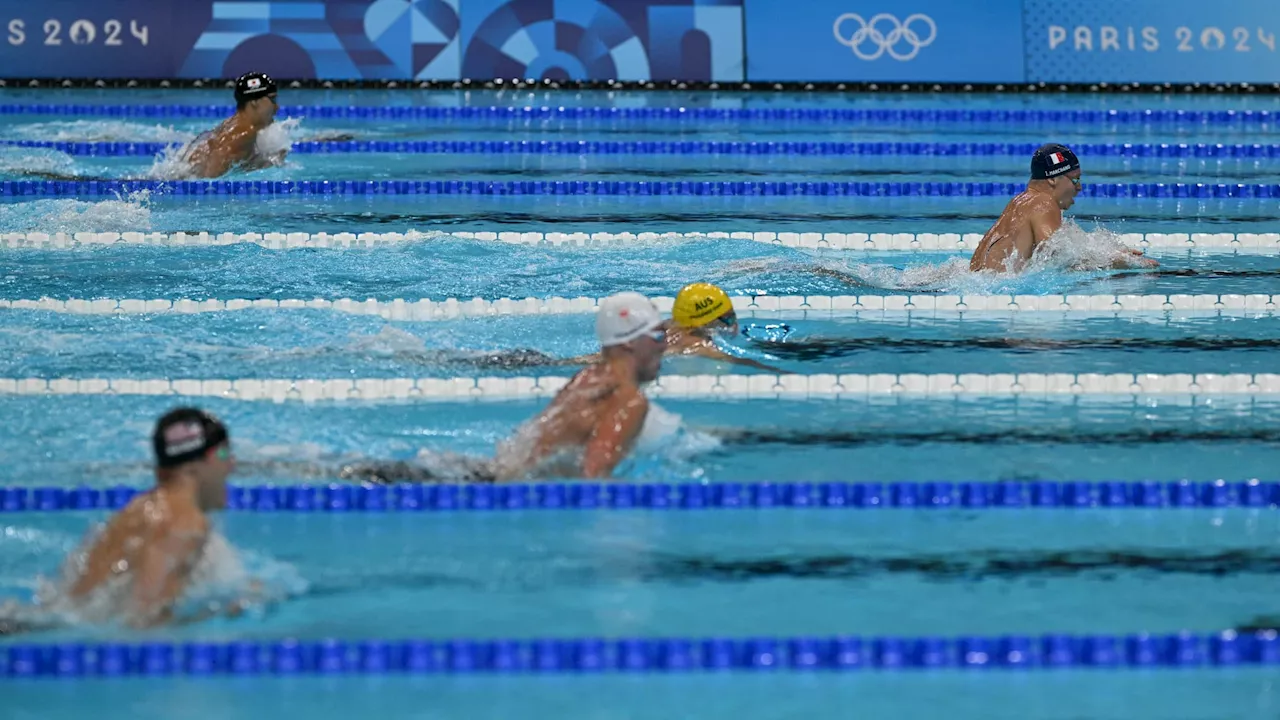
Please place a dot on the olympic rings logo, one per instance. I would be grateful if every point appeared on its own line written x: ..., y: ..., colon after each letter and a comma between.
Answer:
x: 884, y: 33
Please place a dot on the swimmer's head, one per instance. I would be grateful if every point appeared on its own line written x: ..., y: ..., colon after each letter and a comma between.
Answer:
x: 256, y: 94
x: 196, y: 443
x: 1058, y: 169
x: 703, y: 305
x: 629, y: 323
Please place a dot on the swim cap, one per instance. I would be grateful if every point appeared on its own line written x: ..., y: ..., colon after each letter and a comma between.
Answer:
x: 254, y: 85
x: 1052, y: 160
x: 184, y: 434
x: 624, y: 317
x: 699, y: 303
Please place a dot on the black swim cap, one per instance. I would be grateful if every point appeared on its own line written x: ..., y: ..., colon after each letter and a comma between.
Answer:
x: 254, y: 85
x: 1052, y: 160
x: 184, y: 434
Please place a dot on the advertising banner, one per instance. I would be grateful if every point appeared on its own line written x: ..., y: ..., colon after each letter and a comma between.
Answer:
x: 885, y: 40
x: 375, y: 39
x: 1175, y: 41
x: 74, y: 38
x: 603, y: 39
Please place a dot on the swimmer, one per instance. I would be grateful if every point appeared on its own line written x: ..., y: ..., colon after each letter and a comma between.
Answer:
x: 1034, y: 215
x: 702, y: 312
x: 233, y: 143
x: 144, y: 558
x: 594, y: 421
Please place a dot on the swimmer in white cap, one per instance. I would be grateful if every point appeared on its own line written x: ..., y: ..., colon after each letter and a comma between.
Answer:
x: 233, y: 144
x: 593, y: 422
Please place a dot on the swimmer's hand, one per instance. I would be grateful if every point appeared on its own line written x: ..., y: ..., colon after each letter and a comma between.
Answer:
x: 1132, y: 258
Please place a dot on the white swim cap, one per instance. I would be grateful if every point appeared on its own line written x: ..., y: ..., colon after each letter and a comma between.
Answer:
x: 624, y: 317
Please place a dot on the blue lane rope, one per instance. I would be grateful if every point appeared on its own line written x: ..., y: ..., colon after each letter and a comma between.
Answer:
x: 721, y: 188
x: 686, y: 147
x: 895, y: 116
x: 642, y: 655
x: 337, y: 498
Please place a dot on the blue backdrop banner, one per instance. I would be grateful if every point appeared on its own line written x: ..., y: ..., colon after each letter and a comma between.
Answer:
x: 375, y: 39
x: 1010, y: 41
x: 885, y: 40
x: 1152, y: 40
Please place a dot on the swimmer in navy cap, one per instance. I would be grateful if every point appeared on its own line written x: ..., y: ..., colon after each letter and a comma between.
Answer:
x: 141, y: 562
x: 233, y: 144
x: 1034, y: 215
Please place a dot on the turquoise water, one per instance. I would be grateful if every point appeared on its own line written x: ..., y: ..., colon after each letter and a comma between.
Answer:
x: 619, y: 574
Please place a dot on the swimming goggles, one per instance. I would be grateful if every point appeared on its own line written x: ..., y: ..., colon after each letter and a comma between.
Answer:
x: 223, y: 452
x: 658, y: 336
x: 729, y: 319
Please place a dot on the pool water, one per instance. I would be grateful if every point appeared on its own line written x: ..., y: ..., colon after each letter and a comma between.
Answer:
x: 617, y: 573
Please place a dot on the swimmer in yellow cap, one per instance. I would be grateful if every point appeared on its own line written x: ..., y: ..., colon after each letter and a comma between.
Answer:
x: 701, y: 312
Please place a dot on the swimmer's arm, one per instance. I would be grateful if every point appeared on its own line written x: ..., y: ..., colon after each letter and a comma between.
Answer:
x: 258, y: 162
x: 1045, y: 221
x: 613, y: 436
x: 579, y: 360
x: 1131, y: 258
x: 233, y: 609
x: 715, y: 353
x: 165, y: 568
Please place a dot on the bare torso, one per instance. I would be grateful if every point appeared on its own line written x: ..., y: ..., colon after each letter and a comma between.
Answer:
x: 1027, y: 221
x: 592, y: 421
x: 231, y: 144
x: 155, y: 540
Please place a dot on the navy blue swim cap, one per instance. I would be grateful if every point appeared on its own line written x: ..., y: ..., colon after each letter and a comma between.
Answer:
x: 251, y: 86
x: 1052, y: 160
x: 185, y: 434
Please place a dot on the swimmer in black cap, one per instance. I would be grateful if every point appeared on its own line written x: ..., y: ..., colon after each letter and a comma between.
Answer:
x: 139, y: 565
x: 1034, y: 215
x: 233, y: 144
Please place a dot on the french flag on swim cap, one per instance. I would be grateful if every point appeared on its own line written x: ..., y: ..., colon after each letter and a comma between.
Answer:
x: 1057, y: 158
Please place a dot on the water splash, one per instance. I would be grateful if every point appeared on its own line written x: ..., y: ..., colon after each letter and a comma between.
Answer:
x: 1058, y: 263
x: 172, y: 163
x: 224, y: 575
x: 35, y: 161
x: 130, y: 213
x: 99, y: 131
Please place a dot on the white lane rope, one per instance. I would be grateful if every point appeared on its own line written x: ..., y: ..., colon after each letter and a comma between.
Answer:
x: 813, y: 306
x: 874, y: 242
x: 739, y: 387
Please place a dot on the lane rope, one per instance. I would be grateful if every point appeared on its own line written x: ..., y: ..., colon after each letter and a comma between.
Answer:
x: 812, y: 306
x: 276, y: 658
x: 410, y: 497
x: 872, y: 242
x: 640, y: 188
x: 688, y: 147
x: 895, y: 116
x: 721, y: 387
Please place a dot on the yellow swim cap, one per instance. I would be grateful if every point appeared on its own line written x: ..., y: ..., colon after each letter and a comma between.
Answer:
x: 699, y: 303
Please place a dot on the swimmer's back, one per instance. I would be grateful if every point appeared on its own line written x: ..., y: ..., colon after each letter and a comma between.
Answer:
x: 1024, y: 220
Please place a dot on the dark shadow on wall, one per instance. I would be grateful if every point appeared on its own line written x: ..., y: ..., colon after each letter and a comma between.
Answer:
x: 274, y: 55
x: 695, y: 56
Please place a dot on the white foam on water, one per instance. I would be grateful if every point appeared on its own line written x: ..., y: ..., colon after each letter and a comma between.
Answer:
x: 131, y: 213
x: 33, y: 161
x: 99, y: 131
x: 1071, y: 251
x: 223, y: 575
x: 278, y: 136
x: 172, y: 165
